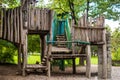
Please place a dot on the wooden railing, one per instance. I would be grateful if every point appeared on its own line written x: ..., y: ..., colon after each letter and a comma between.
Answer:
x: 11, y: 25
x: 39, y: 19
x: 94, y: 34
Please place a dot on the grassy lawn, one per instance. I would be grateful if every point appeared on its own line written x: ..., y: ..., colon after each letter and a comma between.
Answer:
x: 33, y: 58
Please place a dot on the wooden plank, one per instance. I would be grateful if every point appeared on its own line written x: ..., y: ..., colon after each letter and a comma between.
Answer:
x: 42, y: 19
x: 18, y: 24
x: 29, y: 18
x: 35, y: 18
x: 47, y: 19
x: 5, y: 26
x: 21, y: 26
x: 8, y: 24
x: 32, y: 19
x: 1, y: 23
x: 11, y: 25
x: 15, y: 27
x: 38, y: 18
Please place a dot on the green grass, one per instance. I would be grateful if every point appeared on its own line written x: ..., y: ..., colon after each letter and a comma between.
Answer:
x: 33, y: 58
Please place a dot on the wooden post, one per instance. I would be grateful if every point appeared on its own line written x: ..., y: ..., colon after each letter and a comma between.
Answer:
x: 24, y: 53
x: 73, y: 48
x: 100, y: 60
x: 104, y: 56
x: 88, y: 60
x: 50, y: 45
x: 109, y: 61
x: 19, y: 57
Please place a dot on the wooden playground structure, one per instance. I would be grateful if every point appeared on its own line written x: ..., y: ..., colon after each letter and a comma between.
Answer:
x: 17, y: 23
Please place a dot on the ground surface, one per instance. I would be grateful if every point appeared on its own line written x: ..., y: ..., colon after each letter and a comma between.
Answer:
x: 8, y: 72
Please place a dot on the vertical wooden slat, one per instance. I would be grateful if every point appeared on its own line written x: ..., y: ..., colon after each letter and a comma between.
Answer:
x: 32, y: 19
x: 29, y: 18
x: 8, y: 20
x: 18, y: 25
x: 40, y: 19
x: 1, y: 22
x: 47, y: 18
x: 5, y: 26
x: 37, y: 18
x: 15, y: 27
x: 11, y: 25
x: 21, y: 26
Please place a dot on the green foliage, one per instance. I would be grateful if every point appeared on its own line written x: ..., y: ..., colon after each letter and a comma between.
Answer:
x: 11, y: 3
x: 34, y: 43
x: 109, y: 8
x: 7, y: 50
x: 115, y: 40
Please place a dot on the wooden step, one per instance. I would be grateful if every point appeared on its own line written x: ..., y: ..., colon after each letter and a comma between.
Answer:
x: 61, y: 56
x: 35, y: 66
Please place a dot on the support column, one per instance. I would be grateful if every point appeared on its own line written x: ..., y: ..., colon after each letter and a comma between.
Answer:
x: 104, y: 56
x: 24, y: 55
x: 48, y: 60
x: 88, y: 61
x: 100, y: 60
x: 109, y: 60
x: 19, y: 57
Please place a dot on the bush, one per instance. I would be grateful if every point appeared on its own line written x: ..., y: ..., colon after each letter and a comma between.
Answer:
x: 116, y: 55
x: 7, y: 51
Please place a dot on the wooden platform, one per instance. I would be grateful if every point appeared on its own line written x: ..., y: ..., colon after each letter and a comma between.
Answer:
x: 60, y: 50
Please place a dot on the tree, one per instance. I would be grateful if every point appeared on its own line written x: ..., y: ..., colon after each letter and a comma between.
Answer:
x: 108, y: 8
x: 115, y: 41
x: 7, y: 51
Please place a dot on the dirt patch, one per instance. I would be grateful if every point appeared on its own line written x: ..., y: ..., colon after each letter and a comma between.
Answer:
x: 8, y: 72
